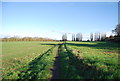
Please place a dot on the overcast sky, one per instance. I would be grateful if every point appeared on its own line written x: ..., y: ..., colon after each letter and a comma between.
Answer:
x: 52, y: 19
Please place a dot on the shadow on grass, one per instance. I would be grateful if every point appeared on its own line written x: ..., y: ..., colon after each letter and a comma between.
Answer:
x: 50, y: 44
x: 82, y: 69
x: 98, y: 45
x: 56, y: 66
x: 36, y: 68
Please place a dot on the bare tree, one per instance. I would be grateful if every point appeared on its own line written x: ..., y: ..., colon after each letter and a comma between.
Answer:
x: 79, y: 37
x: 97, y: 36
x: 103, y: 36
x: 73, y: 37
x: 64, y: 37
x: 91, y: 36
x: 117, y: 30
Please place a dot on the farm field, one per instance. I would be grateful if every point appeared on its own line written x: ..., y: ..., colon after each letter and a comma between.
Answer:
x: 21, y: 59
x: 78, y: 60
x: 90, y: 60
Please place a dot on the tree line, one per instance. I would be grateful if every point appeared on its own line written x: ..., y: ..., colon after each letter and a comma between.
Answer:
x: 26, y: 39
x: 78, y: 37
x: 97, y: 36
x: 116, y: 38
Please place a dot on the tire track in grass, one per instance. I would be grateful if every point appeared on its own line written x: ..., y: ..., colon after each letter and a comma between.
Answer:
x: 39, y: 68
x: 56, y: 67
x: 84, y: 70
x: 68, y: 71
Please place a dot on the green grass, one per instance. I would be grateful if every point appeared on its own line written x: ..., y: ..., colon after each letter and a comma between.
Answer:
x: 101, y: 58
x: 39, y: 68
x: 0, y: 60
x: 68, y: 70
x: 78, y: 60
x: 16, y: 56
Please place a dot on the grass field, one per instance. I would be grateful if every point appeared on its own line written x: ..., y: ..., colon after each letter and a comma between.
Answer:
x: 78, y: 60
x: 17, y: 57
x: 96, y: 60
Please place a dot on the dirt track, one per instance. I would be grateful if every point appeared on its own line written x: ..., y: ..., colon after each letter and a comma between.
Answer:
x: 56, y: 66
